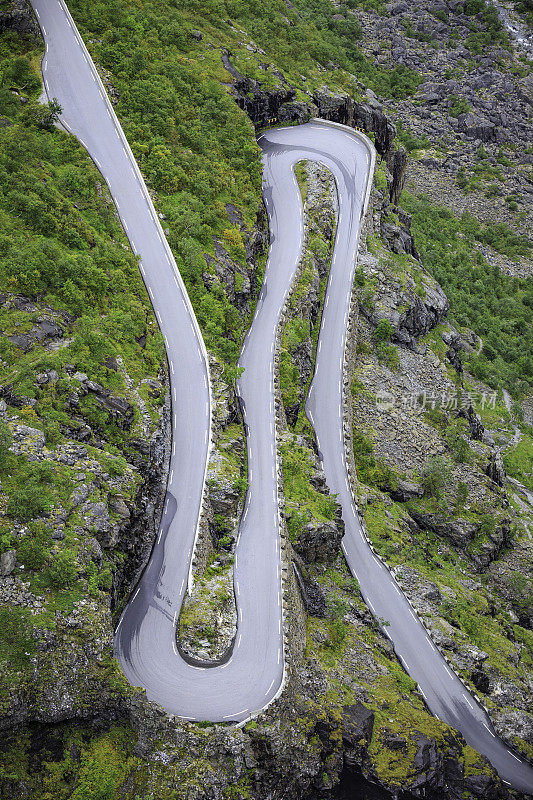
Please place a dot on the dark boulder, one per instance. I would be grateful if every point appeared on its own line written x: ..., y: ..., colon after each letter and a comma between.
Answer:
x: 424, y: 314
x: 459, y: 531
x: 403, y: 491
x: 474, y: 421
x: 357, y: 724
x: 476, y: 127
x: 319, y: 542
x: 495, y: 468
x: 263, y: 104
x: 481, y: 681
x: 342, y: 108
x: 312, y: 595
x: 19, y: 18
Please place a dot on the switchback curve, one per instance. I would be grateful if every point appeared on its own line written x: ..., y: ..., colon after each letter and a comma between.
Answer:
x: 145, y: 637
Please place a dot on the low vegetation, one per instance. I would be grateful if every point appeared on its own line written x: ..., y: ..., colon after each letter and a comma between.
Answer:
x: 497, y: 307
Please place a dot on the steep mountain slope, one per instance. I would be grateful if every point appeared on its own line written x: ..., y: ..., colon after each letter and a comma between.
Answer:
x: 83, y: 387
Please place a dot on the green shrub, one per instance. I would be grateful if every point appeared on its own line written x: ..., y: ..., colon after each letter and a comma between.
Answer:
x: 497, y: 307
x: 458, y: 105
x: 33, y: 550
x: 487, y: 525
x: 27, y: 502
x: 359, y: 277
x: 337, y: 633
x: 63, y: 570
x: 458, y: 445
x: 409, y: 140
x: 371, y: 470
x: 116, y: 466
x: 435, y: 476
x: 384, y: 331
x: 31, y: 496
x: 103, y: 769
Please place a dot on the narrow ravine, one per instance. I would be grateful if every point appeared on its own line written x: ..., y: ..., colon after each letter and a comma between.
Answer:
x: 514, y: 26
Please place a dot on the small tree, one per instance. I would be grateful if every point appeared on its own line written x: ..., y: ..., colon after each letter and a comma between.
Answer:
x: 63, y: 570
x: 43, y: 115
x: 384, y: 331
x: 435, y: 476
x: 458, y: 445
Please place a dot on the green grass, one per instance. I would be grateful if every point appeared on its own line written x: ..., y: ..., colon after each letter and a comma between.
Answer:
x: 298, y: 467
x: 482, y: 298
x: 518, y: 461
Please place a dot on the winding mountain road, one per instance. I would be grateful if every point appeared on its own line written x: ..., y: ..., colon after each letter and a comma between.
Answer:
x: 145, y: 642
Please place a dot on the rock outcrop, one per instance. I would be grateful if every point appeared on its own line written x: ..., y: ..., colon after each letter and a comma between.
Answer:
x: 16, y: 15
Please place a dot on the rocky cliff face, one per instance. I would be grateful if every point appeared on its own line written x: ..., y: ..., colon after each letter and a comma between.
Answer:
x: 263, y: 104
x: 469, y: 122
x: 350, y: 723
x: 432, y: 481
x: 15, y: 15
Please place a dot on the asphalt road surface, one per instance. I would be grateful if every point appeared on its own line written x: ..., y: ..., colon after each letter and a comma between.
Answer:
x: 145, y: 643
